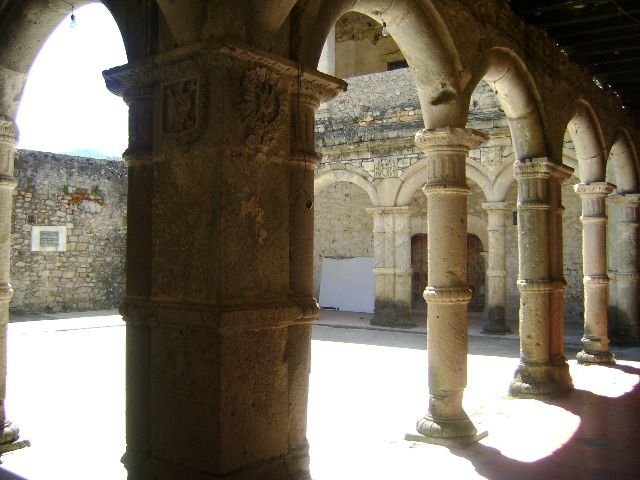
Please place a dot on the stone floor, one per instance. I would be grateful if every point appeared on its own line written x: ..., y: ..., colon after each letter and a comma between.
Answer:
x: 66, y: 378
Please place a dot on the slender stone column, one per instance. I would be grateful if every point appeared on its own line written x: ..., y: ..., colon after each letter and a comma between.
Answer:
x: 559, y: 365
x: 537, y: 241
x: 594, y: 266
x: 392, y: 251
x: 497, y: 269
x: 9, y: 433
x: 447, y: 295
x: 625, y: 318
x: 220, y: 262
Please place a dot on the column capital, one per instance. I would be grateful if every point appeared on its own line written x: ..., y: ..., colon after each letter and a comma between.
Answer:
x: 392, y: 210
x: 9, y: 133
x: 448, y: 139
x: 540, y: 167
x: 626, y: 199
x: 496, y: 206
x: 596, y: 189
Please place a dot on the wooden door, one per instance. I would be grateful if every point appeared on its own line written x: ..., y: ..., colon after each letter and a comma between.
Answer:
x: 419, y: 264
x: 476, y: 274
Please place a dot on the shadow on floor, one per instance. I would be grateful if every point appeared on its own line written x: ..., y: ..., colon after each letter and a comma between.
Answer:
x: 5, y: 475
x: 605, y: 443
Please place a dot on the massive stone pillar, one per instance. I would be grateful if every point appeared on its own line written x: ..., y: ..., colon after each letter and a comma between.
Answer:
x: 625, y: 317
x: 448, y: 293
x: 542, y: 370
x: 9, y: 433
x: 219, y: 300
x: 392, y: 252
x: 594, y: 266
x: 497, y: 268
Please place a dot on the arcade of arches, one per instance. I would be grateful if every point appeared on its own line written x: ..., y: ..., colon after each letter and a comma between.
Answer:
x: 219, y: 303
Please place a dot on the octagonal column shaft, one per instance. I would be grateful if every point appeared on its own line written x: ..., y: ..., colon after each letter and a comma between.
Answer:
x: 9, y: 433
x: 625, y: 318
x: 448, y: 293
x: 497, y: 268
x: 392, y: 252
x: 594, y: 266
x: 220, y: 258
x: 536, y: 230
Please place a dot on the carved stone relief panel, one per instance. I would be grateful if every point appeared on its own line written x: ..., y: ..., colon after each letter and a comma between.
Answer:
x: 263, y: 112
x: 182, y: 109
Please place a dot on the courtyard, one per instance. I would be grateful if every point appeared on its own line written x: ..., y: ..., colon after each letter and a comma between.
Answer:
x: 368, y: 387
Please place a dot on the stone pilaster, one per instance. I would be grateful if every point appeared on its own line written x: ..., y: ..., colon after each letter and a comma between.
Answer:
x: 219, y: 295
x: 538, y: 222
x: 448, y: 293
x: 9, y: 433
x: 625, y: 273
x: 497, y: 268
x: 392, y: 252
x: 594, y: 266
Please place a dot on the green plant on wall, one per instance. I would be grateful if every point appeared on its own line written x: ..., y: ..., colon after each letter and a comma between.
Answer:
x: 65, y: 190
x: 96, y: 192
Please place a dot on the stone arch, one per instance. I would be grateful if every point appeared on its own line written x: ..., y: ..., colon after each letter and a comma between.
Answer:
x: 478, y: 227
x: 421, y: 35
x: 622, y: 164
x: 587, y: 138
x: 518, y: 97
x: 323, y: 180
x: 503, y: 181
x: 31, y: 23
x: 413, y: 179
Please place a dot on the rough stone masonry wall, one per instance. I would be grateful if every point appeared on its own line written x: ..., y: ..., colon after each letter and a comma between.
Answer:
x: 87, y: 196
x: 371, y: 128
x: 343, y: 228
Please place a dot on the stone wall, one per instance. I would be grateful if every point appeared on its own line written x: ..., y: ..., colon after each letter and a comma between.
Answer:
x: 343, y: 227
x: 86, y: 196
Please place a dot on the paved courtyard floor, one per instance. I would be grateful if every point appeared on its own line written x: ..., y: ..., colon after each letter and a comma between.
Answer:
x: 368, y: 387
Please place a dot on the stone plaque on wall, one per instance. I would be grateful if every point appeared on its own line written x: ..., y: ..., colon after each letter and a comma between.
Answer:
x: 385, y: 168
x: 48, y: 238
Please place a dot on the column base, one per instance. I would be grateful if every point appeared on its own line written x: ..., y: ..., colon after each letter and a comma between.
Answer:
x: 496, y: 327
x: 537, y: 381
x: 459, y: 433
x: 273, y: 469
x: 595, y: 358
x: 9, y: 439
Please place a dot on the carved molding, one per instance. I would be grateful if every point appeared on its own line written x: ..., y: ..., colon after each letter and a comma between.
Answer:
x: 447, y: 294
x: 9, y: 133
x: 265, y: 106
x: 448, y: 139
x: 184, y: 108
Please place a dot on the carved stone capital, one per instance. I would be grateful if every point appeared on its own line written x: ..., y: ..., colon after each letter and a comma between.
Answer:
x: 598, y: 189
x: 448, y: 139
x: 392, y: 210
x: 9, y: 133
x: 499, y: 207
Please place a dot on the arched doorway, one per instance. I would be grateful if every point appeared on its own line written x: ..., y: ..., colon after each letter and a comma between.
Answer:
x: 476, y: 271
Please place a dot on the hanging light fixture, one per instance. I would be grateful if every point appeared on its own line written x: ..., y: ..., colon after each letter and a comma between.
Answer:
x: 74, y: 24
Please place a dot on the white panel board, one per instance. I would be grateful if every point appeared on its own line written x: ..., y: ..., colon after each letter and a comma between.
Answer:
x: 347, y: 284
